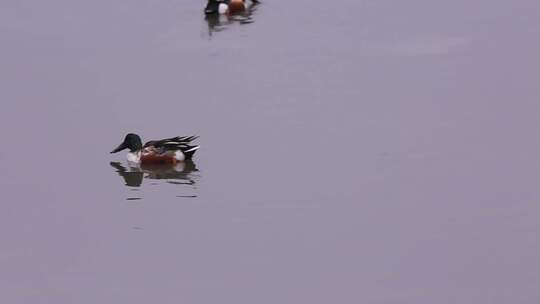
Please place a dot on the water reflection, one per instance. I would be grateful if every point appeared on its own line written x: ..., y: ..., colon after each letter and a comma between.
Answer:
x: 219, y: 22
x: 179, y: 174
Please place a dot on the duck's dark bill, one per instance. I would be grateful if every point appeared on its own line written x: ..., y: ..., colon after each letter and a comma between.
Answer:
x: 120, y: 148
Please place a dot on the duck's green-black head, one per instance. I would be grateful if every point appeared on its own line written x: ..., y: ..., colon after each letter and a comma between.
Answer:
x: 212, y: 7
x: 132, y: 142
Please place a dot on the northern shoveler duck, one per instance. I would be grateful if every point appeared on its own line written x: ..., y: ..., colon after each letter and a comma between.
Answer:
x: 226, y: 6
x: 164, y: 151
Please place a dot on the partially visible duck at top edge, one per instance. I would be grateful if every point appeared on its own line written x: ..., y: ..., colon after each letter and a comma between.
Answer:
x: 226, y: 6
x: 166, y: 151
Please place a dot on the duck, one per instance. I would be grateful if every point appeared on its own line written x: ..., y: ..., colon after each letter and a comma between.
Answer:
x: 163, y: 151
x: 227, y: 7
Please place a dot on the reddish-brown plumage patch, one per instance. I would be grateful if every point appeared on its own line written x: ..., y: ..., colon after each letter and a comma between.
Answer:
x: 236, y: 6
x: 154, y: 158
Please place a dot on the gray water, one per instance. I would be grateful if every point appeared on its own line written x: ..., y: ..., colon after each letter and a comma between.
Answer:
x: 352, y: 152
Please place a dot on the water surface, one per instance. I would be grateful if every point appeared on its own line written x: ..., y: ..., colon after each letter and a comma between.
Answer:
x: 366, y: 152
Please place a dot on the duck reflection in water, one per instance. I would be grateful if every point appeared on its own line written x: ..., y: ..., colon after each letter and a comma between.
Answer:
x: 181, y: 173
x: 218, y: 22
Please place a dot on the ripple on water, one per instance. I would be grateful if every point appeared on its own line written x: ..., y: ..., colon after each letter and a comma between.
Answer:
x: 181, y: 174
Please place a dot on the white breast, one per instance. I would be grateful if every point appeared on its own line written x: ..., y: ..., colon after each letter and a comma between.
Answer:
x: 134, y: 157
x: 223, y: 8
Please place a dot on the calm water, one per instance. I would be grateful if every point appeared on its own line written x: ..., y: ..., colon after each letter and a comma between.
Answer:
x: 358, y: 152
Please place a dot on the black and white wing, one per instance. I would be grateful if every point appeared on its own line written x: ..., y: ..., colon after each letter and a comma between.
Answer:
x: 182, y: 143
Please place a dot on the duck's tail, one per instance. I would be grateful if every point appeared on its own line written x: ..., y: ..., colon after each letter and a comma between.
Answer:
x: 189, y: 152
